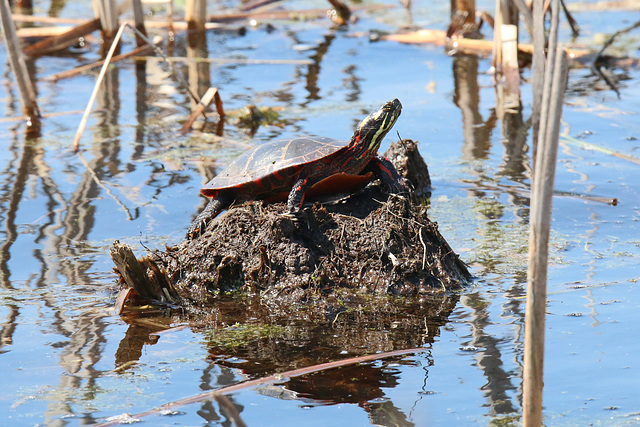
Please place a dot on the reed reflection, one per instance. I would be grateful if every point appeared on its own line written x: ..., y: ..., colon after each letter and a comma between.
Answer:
x: 501, y: 387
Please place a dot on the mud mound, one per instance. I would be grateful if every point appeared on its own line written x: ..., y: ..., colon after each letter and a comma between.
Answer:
x: 370, y: 243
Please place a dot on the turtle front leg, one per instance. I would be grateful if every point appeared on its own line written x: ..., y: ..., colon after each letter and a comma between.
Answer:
x: 384, y: 170
x: 216, y: 205
x: 296, y: 197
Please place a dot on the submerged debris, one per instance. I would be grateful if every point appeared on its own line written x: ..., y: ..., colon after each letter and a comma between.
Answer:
x: 371, y: 243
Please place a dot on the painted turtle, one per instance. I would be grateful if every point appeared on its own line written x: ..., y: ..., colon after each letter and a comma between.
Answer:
x: 300, y: 166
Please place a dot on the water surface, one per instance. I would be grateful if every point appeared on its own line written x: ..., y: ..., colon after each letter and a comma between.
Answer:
x: 66, y: 362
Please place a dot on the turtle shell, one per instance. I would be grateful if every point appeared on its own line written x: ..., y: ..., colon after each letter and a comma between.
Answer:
x: 271, y: 168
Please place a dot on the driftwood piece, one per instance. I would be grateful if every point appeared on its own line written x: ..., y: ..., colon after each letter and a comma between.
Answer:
x: 439, y: 38
x: 143, y: 275
x: 288, y: 14
x: 62, y: 41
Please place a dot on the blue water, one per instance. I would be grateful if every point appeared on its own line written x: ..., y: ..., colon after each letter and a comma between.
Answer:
x: 60, y: 348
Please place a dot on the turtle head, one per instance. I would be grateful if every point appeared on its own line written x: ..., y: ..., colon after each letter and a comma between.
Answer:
x: 373, y: 128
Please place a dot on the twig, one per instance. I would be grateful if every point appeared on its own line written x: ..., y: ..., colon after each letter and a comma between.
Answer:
x: 606, y: 5
x: 539, y: 43
x: 424, y: 252
x: 78, y: 70
x: 595, y: 65
x: 247, y: 61
x: 19, y: 17
x: 593, y: 147
x: 526, y: 14
x: 272, y: 379
x: 96, y: 88
x: 575, y: 28
x: 138, y: 15
x: 611, y: 39
x: 526, y: 192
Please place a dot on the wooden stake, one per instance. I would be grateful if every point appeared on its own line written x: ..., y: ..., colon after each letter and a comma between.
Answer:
x: 496, y: 57
x: 510, y: 67
x: 108, y: 13
x: 138, y: 16
x: 22, y: 76
x: 196, y: 14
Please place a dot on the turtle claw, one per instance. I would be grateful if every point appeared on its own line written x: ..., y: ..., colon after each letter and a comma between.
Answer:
x: 295, y: 215
x: 400, y: 186
x: 196, y: 229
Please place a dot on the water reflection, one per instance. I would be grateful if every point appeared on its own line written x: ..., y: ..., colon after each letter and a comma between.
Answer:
x: 59, y: 244
x: 313, y: 70
x: 8, y: 327
x: 362, y: 385
x: 86, y: 337
x: 476, y: 130
x: 501, y: 389
x: 199, y: 74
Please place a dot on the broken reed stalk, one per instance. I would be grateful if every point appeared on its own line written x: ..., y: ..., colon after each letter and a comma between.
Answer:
x: 554, y: 85
x: 16, y: 59
x: 271, y: 379
x: 211, y: 94
x: 540, y: 224
x: 96, y: 88
x: 539, y: 42
x: 524, y: 10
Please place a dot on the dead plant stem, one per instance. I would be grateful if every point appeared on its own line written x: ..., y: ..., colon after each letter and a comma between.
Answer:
x: 96, y: 88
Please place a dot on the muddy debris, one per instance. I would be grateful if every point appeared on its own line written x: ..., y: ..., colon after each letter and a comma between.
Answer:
x: 348, y: 251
